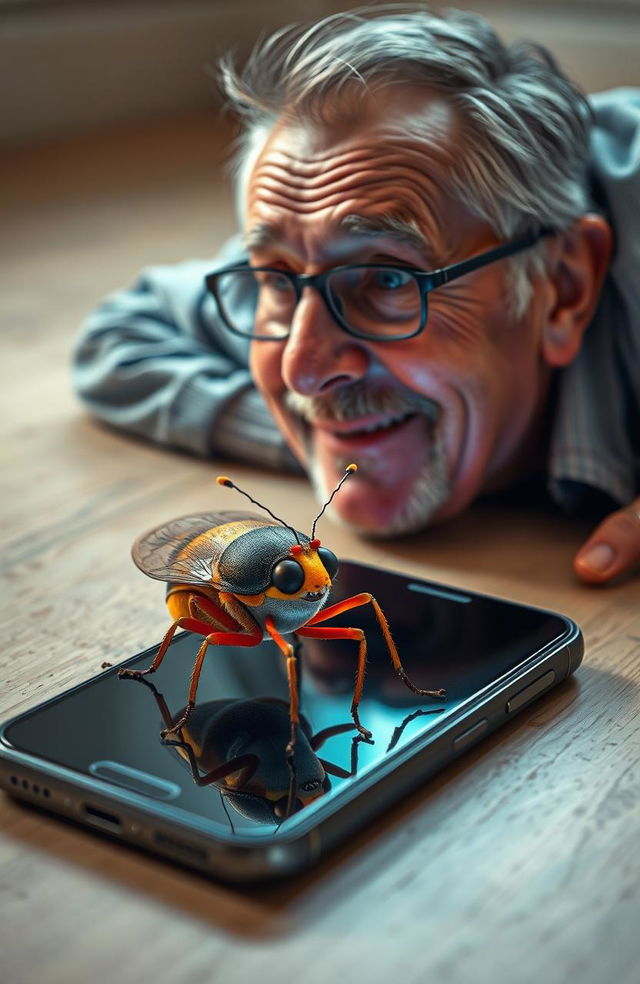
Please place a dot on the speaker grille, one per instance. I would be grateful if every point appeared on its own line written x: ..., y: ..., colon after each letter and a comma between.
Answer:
x: 30, y: 787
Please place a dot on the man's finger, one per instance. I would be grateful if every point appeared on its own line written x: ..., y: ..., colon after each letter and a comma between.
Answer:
x: 613, y: 548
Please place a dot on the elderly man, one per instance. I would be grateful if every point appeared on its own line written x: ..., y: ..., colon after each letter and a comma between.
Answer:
x: 426, y: 283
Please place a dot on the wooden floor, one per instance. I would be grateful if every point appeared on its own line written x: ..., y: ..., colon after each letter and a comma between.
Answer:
x: 519, y: 863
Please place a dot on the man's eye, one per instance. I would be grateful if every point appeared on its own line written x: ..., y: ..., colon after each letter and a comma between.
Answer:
x: 278, y: 282
x: 274, y: 281
x: 390, y: 279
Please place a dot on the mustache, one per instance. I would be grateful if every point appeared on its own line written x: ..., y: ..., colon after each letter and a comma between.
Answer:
x: 358, y: 400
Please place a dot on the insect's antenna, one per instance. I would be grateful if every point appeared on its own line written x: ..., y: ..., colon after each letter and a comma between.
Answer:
x: 223, y: 480
x: 349, y: 470
x: 226, y: 810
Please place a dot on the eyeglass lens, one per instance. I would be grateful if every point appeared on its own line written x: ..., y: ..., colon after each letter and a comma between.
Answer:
x: 373, y: 301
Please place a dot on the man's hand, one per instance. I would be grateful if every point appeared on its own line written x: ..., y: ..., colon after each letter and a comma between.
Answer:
x: 613, y: 548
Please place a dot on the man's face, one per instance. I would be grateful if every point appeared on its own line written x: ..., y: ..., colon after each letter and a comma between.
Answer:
x: 430, y: 421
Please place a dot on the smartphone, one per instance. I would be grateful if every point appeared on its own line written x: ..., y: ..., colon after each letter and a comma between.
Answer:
x: 221, y: 795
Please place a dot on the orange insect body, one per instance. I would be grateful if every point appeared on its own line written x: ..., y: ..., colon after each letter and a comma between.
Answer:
x: 231, y: 559
x: 237, y: 578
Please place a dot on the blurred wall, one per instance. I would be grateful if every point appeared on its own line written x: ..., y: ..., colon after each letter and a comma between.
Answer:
x: 68, y: 66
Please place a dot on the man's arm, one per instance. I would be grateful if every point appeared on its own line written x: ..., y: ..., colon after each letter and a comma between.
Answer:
x: 614, y: 547
x: 155, y: 361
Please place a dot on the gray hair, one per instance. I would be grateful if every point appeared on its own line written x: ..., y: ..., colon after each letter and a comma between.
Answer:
x: 526, y: 124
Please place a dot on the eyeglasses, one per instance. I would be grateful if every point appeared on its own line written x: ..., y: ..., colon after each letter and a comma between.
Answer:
x: 380, y: 302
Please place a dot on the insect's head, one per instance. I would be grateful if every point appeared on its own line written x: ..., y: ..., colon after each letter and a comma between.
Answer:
x: 307, y: 569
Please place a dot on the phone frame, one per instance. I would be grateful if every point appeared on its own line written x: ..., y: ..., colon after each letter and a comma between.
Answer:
x: 186, y: 839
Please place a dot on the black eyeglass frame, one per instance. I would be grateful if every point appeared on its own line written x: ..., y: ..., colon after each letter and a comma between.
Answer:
x: 427, y: 280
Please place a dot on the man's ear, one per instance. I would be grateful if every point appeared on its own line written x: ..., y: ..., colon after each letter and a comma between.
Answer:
x: 578, y: 260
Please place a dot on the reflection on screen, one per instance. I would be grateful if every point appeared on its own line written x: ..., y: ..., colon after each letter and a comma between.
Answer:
x: 229, y: 764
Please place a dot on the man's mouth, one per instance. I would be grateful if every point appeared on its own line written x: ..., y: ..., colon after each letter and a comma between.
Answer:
x: 374, y: 424
x: 363, y: 418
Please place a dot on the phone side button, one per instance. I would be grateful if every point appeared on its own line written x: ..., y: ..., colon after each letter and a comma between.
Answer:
x: 535, y: 688
x: 470, y: 735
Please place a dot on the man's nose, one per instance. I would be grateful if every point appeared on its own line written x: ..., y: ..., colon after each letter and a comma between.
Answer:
x: 319, y: 356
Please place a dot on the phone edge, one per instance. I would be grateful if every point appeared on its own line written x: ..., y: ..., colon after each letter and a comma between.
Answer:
x: 254, y: 862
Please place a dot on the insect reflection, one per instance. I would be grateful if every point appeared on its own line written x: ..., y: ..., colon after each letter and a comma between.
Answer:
x: 237, y: 745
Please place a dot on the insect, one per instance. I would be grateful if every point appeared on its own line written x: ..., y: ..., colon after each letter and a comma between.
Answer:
x: 237, y: 578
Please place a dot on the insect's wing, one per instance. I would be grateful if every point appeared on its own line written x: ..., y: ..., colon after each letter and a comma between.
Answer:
x: 181, y: 551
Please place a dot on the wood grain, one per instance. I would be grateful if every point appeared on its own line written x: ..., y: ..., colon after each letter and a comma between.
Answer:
x: 519, y: 863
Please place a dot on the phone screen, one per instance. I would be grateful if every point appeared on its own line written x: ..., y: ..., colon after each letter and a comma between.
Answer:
x: 110, y: 728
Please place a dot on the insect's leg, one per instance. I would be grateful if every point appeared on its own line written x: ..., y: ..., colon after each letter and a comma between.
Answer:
x: 214, y: 639
x: 331, y: 632
x: 355, y: 601
x: 318, y: 740
x: 200, y: 606
x: 397, y: 732
x: 297, y: 649
x: 162, y: 704
x: 296, y: 683
x: 291, y: 797
x: 355, y: 745
x: 336, y: 770
x: 395, y: 658
x: 163, y: 707
x: 193, y: 625
x: 193, y: 686
x: 186, y: 747
x: 290, y: 655
x: 248, y: 763
x: 364, y: 599
x: 294, y: 702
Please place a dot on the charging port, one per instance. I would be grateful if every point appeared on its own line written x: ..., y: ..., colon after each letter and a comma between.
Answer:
x: 103, y: 819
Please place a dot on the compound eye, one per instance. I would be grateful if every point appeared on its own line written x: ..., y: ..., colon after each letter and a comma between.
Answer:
x: 329, y: 560
x: 287, y: 576
x: 311, y: 786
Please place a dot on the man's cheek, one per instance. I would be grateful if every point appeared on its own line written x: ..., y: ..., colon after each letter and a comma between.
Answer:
x: 432, y: 361
x: 265, y: 360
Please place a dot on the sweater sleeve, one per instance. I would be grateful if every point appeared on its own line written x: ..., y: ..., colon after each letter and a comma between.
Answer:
x: 596, y: 432
x: 154, y: 360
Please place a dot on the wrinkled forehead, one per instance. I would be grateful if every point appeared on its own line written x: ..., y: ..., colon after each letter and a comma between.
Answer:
x: 388, y: 154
